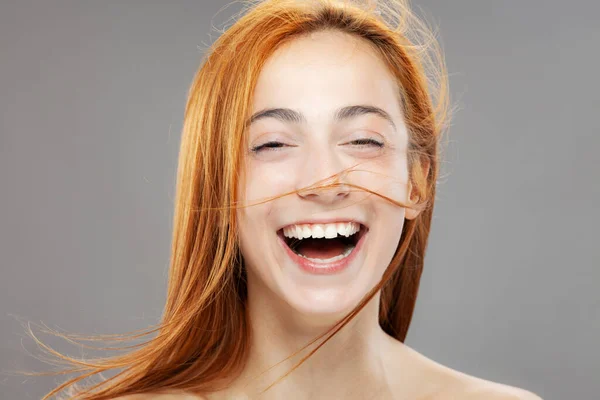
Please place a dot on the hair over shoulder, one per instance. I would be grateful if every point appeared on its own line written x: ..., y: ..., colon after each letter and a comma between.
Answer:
x: 201, y: 342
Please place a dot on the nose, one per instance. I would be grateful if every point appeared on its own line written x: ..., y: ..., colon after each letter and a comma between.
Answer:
x: 327, y: 191
x: 325, y: 182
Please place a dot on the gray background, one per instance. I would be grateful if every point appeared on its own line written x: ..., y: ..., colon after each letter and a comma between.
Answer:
x: 91, y: 104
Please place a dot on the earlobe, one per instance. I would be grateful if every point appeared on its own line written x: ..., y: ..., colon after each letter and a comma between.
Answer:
x: 412, y: 213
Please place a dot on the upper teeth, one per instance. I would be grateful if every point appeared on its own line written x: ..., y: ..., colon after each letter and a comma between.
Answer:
x: 316, y: 231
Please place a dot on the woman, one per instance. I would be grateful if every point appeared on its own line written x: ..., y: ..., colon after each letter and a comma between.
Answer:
x: 305, y: 192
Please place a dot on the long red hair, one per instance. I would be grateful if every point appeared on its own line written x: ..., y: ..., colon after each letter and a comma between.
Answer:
x: 202, y: 341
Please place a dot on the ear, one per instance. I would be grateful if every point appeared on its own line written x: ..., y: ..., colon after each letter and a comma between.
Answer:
x: 411, y: 213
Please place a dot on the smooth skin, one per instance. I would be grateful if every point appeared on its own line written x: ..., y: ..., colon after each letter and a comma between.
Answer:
x: 317, y: 75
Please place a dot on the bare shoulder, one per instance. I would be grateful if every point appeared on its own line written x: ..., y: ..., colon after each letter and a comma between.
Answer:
x: 485, y: 390
x: 440, y: 382
x: 494, y: 391
x: 156, y: 396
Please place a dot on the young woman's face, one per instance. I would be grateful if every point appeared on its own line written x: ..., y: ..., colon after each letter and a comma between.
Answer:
x: 337, y: 105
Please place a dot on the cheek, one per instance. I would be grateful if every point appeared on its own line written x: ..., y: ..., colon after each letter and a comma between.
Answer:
x: 387, y: 177
x: 255, y: 224
x: 253, y: 233
x: 266, y: 180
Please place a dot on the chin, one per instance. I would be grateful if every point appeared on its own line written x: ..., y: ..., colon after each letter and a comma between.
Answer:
x: 322, y: 307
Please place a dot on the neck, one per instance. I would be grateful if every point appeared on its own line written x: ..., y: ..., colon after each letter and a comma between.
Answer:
x: 349, y: 365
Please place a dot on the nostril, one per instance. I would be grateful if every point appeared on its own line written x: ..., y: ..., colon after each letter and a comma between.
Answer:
x: 331, y: 191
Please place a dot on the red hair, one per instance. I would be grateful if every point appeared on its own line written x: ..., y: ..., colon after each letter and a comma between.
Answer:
x: 202, y: 341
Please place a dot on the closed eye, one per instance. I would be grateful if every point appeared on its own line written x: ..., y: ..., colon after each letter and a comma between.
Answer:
x: 366, y: 142
x: 275, y: 145
x: 272, y: 145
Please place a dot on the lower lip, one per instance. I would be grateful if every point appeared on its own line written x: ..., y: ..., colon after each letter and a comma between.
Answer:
x: 327, y: 268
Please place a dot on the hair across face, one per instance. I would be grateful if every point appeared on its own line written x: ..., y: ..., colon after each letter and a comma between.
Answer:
x: 323, y: 103
x: 345, y: 89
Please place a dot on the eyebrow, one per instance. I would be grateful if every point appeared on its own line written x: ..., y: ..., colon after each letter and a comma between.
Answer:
x: 344, y: 113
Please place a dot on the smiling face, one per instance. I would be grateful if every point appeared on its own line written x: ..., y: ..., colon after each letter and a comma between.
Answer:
x: 322, y: 103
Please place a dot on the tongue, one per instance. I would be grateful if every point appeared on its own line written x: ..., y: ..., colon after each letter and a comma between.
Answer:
x: 320, y: 248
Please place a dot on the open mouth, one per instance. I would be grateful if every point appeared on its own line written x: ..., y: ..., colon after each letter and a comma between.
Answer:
x: 323, y: 243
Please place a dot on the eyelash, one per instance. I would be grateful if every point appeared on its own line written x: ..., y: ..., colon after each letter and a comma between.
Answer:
x: 274, y: 145
x: 367, y: 141
x: 269, y: 146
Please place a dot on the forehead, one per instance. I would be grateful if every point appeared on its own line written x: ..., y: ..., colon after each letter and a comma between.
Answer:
x: 324, y: 71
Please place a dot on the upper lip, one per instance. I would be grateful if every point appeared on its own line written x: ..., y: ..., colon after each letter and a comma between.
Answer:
x: 325, y: 221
